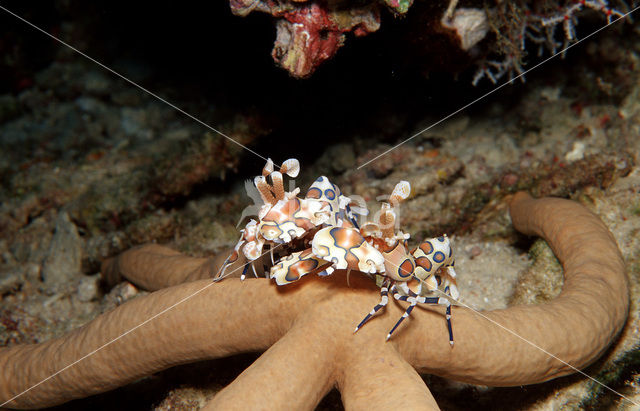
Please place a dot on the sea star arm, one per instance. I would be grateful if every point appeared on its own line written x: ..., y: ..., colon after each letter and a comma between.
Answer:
x: 154, y: 267
x: 295, y: 373
x: 378, y: 378
x: 213, y: 323
x: 576, y: 327
x: 321, y: 351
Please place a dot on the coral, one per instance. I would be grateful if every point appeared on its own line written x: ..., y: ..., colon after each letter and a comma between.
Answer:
x: 517, y: 23
x: 308, y: 330
x: 310, y: 33
x: 470, y: 25
x: 398, y: 6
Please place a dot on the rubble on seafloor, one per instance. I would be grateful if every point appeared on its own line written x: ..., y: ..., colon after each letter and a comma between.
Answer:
x: 90, y: 168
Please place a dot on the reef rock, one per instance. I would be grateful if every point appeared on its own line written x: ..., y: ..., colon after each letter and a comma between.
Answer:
x: 64, y: 259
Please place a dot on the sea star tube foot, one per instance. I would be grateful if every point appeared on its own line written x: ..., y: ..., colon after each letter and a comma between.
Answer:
x: 306, y: 329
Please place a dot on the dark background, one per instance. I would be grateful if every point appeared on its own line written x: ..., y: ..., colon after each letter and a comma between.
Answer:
x: 376, y: 86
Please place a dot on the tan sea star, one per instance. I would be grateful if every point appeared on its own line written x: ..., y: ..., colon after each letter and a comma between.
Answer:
x: 307, y: 330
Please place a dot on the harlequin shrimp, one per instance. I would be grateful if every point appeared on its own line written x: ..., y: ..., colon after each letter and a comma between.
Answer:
x: 319, y: 233
x: 287, y: 223
x: 412, y: 276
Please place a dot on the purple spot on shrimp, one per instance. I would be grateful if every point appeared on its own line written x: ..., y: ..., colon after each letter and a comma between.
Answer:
x: 314, y: 193
x: 426, y: 247
x: 330, y: 194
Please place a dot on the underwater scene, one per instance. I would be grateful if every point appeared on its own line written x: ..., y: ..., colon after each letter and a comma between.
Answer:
x: 320, y: 205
